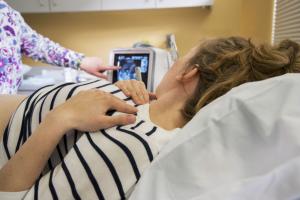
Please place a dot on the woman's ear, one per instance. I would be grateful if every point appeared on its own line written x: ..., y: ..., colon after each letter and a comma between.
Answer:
x: 179, y: 77
x: 188, y: 76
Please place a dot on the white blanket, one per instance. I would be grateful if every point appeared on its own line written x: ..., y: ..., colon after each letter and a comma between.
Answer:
x: 244, y: 145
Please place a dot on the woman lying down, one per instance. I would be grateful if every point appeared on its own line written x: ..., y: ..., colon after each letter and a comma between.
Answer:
x: 57, y: 145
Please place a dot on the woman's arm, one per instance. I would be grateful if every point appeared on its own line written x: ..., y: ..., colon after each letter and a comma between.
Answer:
x: 85, y: 112
x: 42, y: 49
x: 22, y: 170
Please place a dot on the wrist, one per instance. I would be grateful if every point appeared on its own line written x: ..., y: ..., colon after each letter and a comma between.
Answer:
x: 59, y: 121
x: 81, y: 62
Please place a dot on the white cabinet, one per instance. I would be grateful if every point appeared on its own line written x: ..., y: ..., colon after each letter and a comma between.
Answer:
x: 39, y: 6
x: 183, y: 3
x: 74, y: 5
x: 30, y: 6
x: 127, y: 4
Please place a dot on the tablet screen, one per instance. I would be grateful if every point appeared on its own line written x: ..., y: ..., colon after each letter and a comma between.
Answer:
x: 128, y: 63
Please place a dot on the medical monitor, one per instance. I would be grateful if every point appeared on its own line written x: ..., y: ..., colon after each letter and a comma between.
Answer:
x: 128, y: 63
x: 128, y: 60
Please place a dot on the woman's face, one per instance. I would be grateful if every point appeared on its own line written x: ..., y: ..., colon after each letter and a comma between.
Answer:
x: 169, y: 81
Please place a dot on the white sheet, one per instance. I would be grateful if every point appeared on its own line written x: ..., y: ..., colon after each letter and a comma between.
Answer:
x: 244, y: 145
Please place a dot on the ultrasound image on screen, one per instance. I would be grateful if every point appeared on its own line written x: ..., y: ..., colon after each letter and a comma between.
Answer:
x: 128, y: 63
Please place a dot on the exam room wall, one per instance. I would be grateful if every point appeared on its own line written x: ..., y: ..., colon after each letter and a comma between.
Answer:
x: 96, y: 33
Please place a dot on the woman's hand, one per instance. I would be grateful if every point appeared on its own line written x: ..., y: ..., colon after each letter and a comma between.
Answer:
x: 136, y: 90
x: 86, y: 111
x: 94, y: 66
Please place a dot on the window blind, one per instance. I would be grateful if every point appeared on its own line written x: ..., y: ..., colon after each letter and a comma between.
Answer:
x: 286, y: 20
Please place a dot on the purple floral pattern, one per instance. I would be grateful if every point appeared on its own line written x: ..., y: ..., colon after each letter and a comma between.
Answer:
x: 17, y: 38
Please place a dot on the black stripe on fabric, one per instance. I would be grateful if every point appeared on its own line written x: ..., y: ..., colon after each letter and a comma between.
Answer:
x: 18, y: 107
x: 75, y: 136
x: 28, y: 120
x: 152, y: 131
x: 58, y: 88
x: 41, y: 110
x: 115, y: 92
x: 52, y: 90
x: 23, y: 130
x: 65, y: 143
x: 28, y: 117
x: 29, y: 114
x: 77, y: 86
x: 50, y: 164
x: 127, y: 152
x: 70, y: 180
x: 102, y: 86
x: 146, y: 145
x: 40, y: 120
x: 127, y: 99
x: 55, y: 95
x: 36, y: 189
x: 89, y: 173
x: 61, y: 157
x: 59, y: 152
x: 51, y: 186
x: 69, y: 96
x: 33, y: 105
x: 138, y: 124
x: 7, y: 129
x: 5, y: 142
x: 109, y: 165
x: 51, y: 107
x: 110, y: 112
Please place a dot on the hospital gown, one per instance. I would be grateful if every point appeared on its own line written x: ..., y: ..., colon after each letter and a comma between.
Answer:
x: 17, y: 38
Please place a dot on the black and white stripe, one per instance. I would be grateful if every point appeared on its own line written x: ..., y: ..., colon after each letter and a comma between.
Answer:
x: 101, y: 165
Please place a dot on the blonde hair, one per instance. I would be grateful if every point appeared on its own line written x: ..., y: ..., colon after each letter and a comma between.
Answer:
x: 228, y: 62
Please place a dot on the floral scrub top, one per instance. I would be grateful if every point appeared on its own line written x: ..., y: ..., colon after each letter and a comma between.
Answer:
x: 17, y: 38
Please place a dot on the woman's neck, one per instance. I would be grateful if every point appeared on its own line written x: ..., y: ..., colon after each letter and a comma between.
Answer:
x: 166, y: 111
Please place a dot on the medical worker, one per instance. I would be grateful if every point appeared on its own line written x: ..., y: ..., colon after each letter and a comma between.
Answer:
x: 17, y: 39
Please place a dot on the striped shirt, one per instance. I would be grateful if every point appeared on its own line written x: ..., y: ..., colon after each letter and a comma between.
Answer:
x: 102, y: 165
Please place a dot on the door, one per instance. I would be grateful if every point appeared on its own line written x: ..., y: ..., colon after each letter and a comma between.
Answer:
x: 127, y: 4
x: 74, y: 5
x: 29, y: 6
x: 182, y: 3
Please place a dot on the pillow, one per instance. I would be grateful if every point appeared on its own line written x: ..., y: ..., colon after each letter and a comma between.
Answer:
x: 243, y: 145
